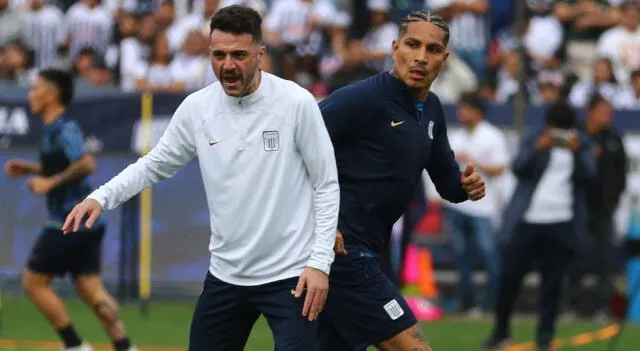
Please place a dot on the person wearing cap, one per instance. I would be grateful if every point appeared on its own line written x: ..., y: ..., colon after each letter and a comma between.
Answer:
x: 471, y: 223
x: 545, y: 219
x: 377, y: 42
x: 550, y: 87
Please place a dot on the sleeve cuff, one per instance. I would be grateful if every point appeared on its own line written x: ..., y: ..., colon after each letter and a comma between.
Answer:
x: 317, y: 264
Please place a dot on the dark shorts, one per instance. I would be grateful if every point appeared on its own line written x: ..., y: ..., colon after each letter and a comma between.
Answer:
x: 363, y: 307
x: 76, y: 253
x: 225, y: 314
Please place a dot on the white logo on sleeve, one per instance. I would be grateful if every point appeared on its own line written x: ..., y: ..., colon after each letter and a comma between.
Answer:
x: 431, y: 130
x: 393, y: 309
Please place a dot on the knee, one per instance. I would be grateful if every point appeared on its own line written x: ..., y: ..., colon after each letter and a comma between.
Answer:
x: 30, y: 285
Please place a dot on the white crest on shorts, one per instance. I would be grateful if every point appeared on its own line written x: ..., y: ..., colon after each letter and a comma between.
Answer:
x: 393, y: 309
x: 431, y: 130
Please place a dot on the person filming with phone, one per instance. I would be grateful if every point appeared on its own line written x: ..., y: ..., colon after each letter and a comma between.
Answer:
x: 545, y: 219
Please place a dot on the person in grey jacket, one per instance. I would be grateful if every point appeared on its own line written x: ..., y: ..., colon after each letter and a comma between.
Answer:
x: 546, y: 218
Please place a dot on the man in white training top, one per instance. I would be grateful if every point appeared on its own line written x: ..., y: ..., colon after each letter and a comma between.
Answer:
x: 270, y: 177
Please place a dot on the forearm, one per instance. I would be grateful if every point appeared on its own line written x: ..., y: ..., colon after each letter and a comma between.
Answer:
x: 34, y: 168
x: 326, y: 205
x: 76, y: 171
x: 125, y: 185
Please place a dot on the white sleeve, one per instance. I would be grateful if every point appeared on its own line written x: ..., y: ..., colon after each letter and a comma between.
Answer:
x: 175, y: 148
x: 314, y: 143
x: 606, y: 45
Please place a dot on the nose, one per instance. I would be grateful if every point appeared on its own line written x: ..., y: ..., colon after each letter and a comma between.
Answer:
x: 228, y: 63
x: 422, y: 57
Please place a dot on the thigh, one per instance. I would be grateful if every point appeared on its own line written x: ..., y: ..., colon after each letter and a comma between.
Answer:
x: 222, y: 319
x: 87, y: 249
x: 291, y: 330
x: 364, y: 306
x: 51, y: 253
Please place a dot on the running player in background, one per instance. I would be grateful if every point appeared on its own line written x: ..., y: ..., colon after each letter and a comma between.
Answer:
x: 386, y: 130
x: 61, y: 177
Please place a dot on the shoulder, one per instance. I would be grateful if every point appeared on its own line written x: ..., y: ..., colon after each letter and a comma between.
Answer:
x: 361, y: 94
x: 70, y: 129
x: 286, y: 92
x: 77, y: 9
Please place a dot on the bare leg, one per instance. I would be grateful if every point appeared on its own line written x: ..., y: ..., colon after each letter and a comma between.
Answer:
x: 411, y: 339
x: 38, y: 288
x: 92, y: 292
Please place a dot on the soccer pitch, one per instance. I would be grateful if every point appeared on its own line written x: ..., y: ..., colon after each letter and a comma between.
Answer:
x: 165, y: 328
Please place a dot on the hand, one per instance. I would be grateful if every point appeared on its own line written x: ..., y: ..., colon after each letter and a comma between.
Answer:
x: 41, y: 185
x: 573, y: 143
x: 339, y: 245
x: 316, y: 283
x: 17, y: 168
x: 472, y: 183
x: 88, y: 207
x: 545, y: 141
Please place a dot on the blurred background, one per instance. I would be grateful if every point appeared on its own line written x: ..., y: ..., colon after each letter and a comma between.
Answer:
x: 517, y: 57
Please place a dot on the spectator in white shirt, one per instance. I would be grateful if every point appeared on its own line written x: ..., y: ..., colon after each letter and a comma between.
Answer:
x: 469, y: 30
x: 134, y: 51
x: 377, y: 42
x: 621, y: 44
x: 157, y: 74
x: 198, y: 20
x: 630, y: 100
x: 87, y: 24
x: 190, y: 66
x: 603, y: 82
x: 543, y: 38
x: 46, y: 29
x: 471, y: 223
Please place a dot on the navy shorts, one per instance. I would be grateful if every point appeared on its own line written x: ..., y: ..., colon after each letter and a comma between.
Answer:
x: 76, y: 253
x: 225, y: 314
x: 363, y: 307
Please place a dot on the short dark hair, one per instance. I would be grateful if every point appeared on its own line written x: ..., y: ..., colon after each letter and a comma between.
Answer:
x: 62, y: 81
x: 561, y: 115
x: 238, y: 20
x: 595, y: 100
x: 635, y: 74
x: 424, y: 16
x: 473, y: 100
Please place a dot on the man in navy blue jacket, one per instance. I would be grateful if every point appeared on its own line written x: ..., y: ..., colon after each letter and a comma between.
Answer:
x: 386, y: 130
x: 545, y: 218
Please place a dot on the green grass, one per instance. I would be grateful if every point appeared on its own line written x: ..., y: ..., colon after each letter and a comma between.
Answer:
x: 167, y: 325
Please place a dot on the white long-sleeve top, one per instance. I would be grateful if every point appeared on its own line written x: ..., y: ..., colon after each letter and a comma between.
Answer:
x: 269, y: 173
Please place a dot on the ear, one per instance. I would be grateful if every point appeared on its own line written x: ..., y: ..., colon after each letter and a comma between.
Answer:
x: 394, y: 49
x: 262, y: 51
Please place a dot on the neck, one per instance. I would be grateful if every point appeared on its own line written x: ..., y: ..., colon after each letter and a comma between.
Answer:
x: 35, y: 7
x: 52, y: 113
x: 631, y: 27
x: 417, y: 93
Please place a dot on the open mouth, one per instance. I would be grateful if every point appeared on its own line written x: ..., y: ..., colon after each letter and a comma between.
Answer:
x: 417, y: 74
x: 231, y: 81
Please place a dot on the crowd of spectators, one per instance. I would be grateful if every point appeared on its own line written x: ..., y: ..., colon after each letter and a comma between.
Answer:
x: 574, y: 48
